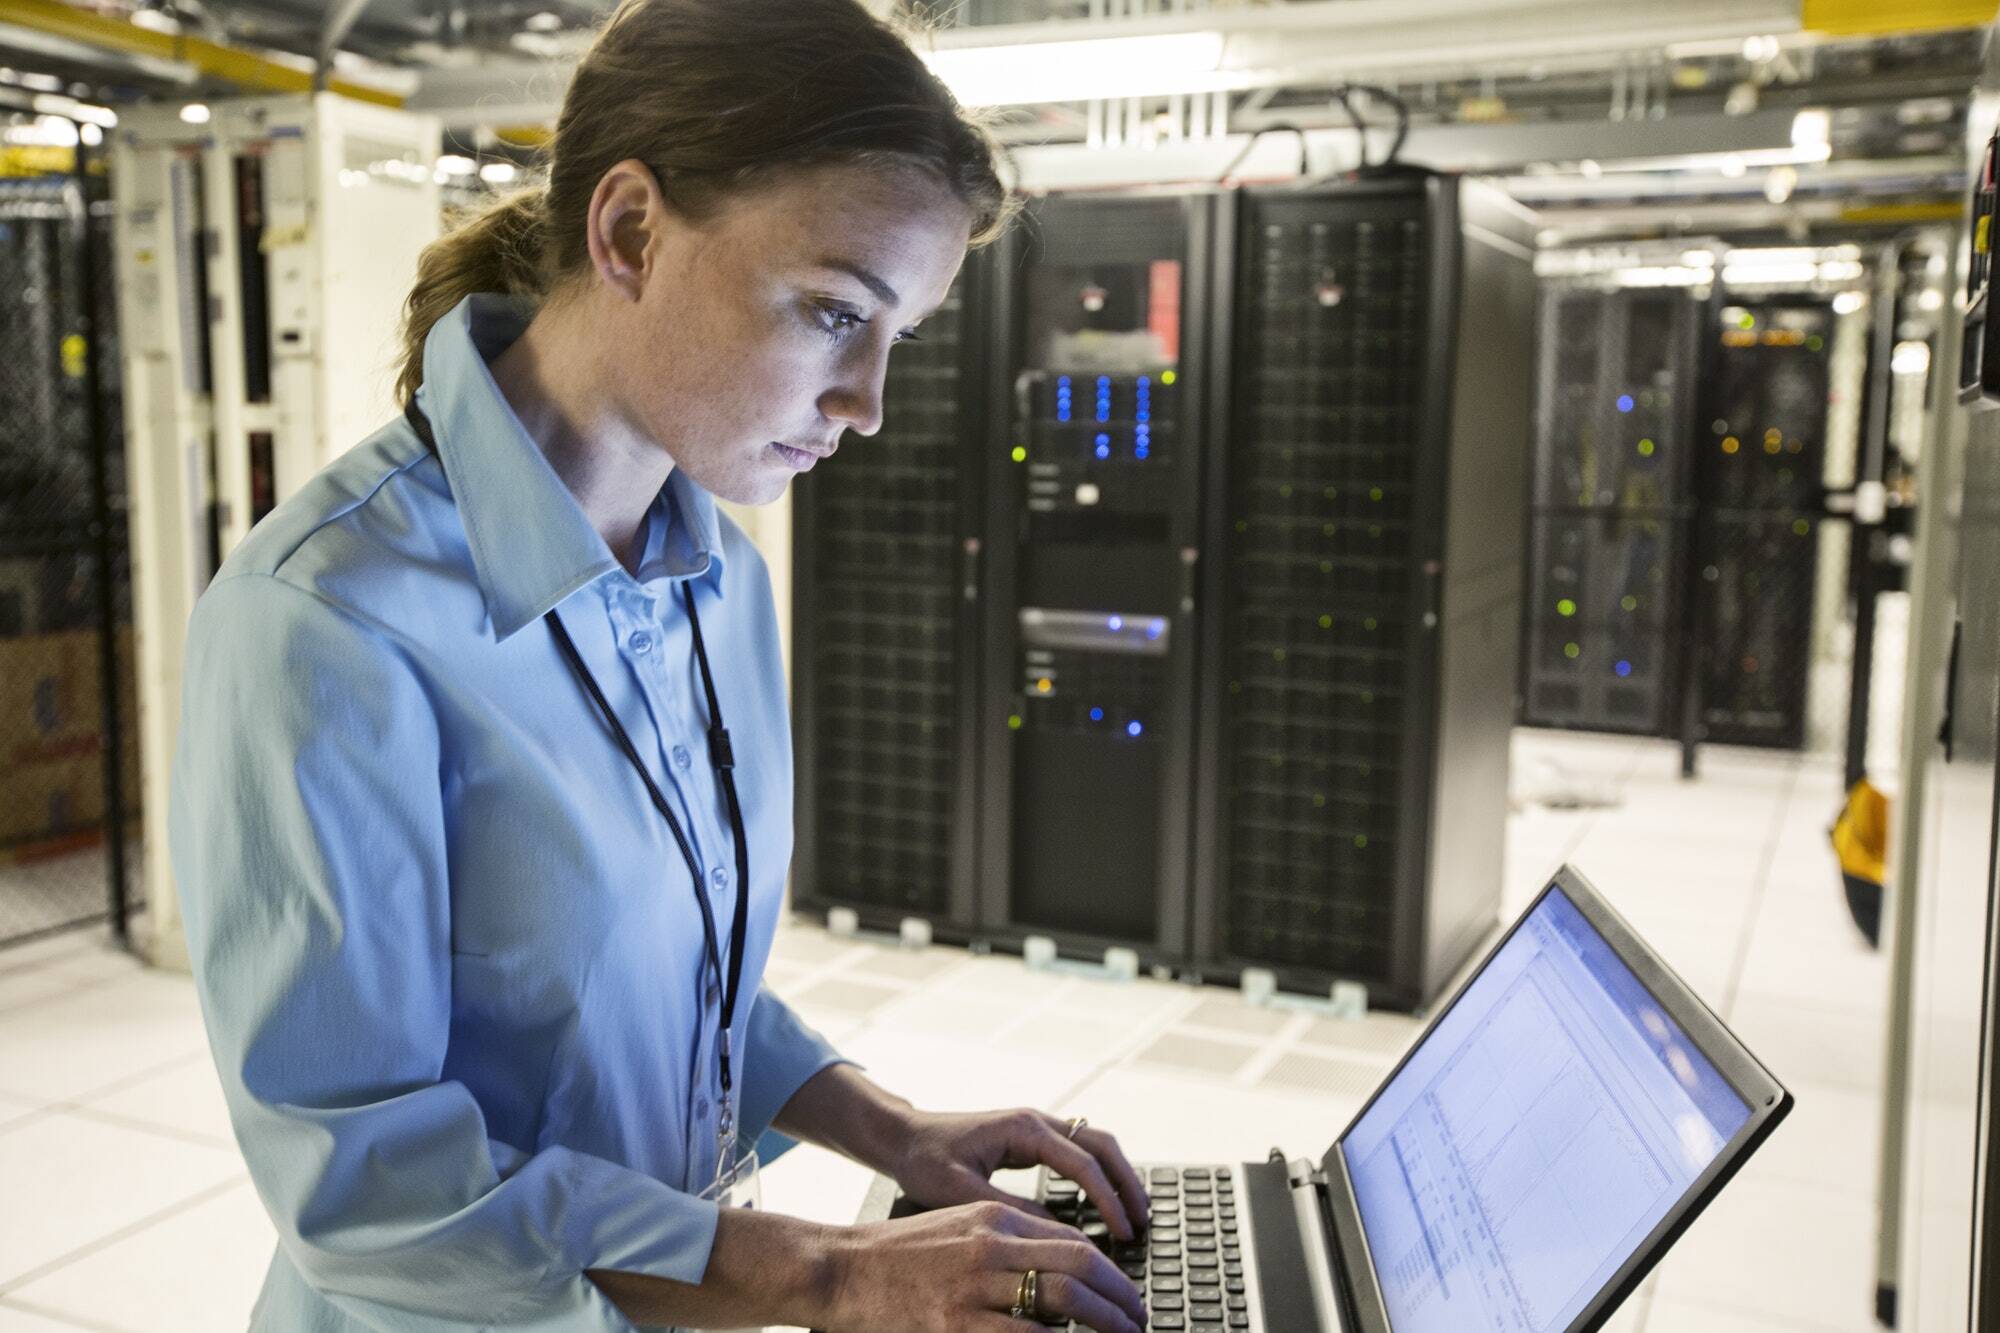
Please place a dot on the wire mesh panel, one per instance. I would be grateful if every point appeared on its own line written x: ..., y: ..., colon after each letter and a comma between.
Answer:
x: 883, y: 672
x: 1609, y: 539
x: 53, y: 540
x: 1763, y: 466
x: 1322, y: 466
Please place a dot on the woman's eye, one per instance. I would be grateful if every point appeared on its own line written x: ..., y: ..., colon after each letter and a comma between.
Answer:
x: 838, y: 323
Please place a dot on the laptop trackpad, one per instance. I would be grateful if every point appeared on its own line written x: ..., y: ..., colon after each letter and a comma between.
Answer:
x: 1282, y: 1283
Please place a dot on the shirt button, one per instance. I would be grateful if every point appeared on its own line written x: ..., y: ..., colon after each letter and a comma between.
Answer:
x: 719, y: 877
x: 641, y: 641
x: 682, y: 759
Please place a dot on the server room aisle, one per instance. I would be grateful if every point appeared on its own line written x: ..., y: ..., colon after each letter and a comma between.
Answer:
x: 128, y: 1208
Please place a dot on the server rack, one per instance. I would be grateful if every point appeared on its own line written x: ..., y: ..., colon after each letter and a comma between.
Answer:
x: 1094, y: 522
x: 1611, y: 508
x: 886, y: 632
x: 1763, y: 494
x: 1368, y: 543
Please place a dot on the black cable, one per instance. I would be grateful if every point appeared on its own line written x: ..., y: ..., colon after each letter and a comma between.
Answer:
x: 1344, y: 95
x: 1402, y: 109
x: 1257, y: 134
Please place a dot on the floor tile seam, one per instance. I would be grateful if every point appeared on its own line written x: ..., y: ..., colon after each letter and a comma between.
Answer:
x: 1774, y: 832
x: 9, y: 1010
x: 10, y: 1285
x: 133, y: 1079
x: 118, y: 1120
x: 56, y: 1316
x: 1274, y: 1048
x: 1142, y: 1035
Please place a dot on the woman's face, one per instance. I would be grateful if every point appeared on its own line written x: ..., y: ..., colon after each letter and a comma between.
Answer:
x: 762, y: 335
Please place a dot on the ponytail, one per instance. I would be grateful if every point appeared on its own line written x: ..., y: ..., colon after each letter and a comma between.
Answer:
x: 497, y: 250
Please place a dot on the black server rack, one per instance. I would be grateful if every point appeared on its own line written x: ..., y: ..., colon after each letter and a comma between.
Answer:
x: 885, y: 635
x: 1763, y: 494
x: 1093, y: 521
x: 1366, y: 584
x: 1611, y: 511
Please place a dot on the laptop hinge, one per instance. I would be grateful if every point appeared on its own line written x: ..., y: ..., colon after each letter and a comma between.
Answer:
x: 1309, y: 1204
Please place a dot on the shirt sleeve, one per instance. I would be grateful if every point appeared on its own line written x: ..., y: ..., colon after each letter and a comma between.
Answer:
x: 308, y: 845
x: 783, y: 1053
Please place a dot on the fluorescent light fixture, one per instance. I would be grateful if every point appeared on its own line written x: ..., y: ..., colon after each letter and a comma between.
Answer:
x: 1087, y: 69
x: 1666, y: 275
x: 52, y: 104
x: 1846, y: 303
x: 1733, y: 165
x: 195, y: 113
x: 1910, y: 358
x: 456, y: 164
x: 1812, y: 128
x: 497, y: 173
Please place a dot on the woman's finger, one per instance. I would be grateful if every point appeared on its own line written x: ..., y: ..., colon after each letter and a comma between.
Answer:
x: 1070, y: 1160
x: 1131, y: 1187
x: 1081, y: 1262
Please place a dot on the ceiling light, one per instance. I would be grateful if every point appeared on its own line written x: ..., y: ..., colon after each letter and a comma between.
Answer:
x: 1846, y: 303
x: 455, y: 164
x: 195, y: 113
x: 1812, y: 128
x: 542, y: 22
x: 1779, y: 183
x: 497, y: 173
x: 1910, y: 358
x: 1732, y: 166
x: 1087, y: 69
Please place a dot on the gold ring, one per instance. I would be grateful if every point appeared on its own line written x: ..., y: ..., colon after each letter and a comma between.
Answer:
x: 1075, y: 1125
x: 1025, y: 1296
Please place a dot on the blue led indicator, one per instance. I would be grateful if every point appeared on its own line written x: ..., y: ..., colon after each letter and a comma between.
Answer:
x: 1104, y: 451
x: 1145, y: 383
x: 1141, y: 452
x: 1116, y: 623
x: 1156, y: 629
x: 1623, y: 668
x: 1097, y: 715
x: 1133, y: 728
x: 1624, y: 402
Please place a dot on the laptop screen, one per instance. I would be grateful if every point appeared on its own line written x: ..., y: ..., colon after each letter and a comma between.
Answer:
x: 1534, y: 1138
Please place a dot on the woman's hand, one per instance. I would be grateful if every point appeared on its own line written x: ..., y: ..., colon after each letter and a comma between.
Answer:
x: 958, y: 1270
x: 947, y: 1158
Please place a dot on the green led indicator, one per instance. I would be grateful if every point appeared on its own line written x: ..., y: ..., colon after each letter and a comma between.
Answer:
x: 1361, y: 841
x: 1020, y: 453
x: 1368, y: 623
x: 1326, y: 566
x: 1814, y: 343
x: 1326, y: 622
x: 1014, y: 722
x: 1801, y: 527
x: 1331, y: 492
x: 1329, y: 529
x: 1645, y: 448
x: 1375, y: 493
x: 1629, y: 602
x: 1748, y: 321
x: 1242, y: 526
x: 1565, y: 607
x: 1319, y: 800
x: 1368, y: 696
x: 1285, y: 491
x: 1572, y: 651
x: 1277, y: 654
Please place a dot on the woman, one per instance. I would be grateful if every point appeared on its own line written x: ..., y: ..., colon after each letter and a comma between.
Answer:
x: 482, y: 804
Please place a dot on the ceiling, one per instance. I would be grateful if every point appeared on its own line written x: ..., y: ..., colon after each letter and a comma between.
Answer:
x: 1545, y: 91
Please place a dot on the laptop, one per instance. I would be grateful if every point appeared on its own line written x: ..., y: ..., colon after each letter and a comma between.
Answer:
x: 1564, y: 1117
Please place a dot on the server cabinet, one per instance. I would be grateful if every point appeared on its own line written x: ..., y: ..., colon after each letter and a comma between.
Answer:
x: 885, y: 634
x: 1368, y: 537
x: 1611, y: 510
x: 1763, y: 494
x: 1093, y: 517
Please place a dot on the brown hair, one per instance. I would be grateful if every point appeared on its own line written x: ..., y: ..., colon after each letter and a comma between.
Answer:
x: 714, y: 96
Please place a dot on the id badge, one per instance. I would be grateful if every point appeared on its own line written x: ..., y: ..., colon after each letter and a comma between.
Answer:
x: 737, y: 1184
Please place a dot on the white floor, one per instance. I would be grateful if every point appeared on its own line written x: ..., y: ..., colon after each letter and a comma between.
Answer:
x: 124, y: 1205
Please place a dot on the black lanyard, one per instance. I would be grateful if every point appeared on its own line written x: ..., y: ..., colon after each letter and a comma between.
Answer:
x: 720, y: 755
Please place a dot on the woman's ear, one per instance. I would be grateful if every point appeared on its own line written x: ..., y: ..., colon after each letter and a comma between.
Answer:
x: 627, y: 213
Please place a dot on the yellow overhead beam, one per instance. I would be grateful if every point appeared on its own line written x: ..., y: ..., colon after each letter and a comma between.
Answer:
x: 1880, y: 18
x: 245, y: 69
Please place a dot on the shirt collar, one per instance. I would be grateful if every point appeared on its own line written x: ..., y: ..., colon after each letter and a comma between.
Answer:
x: 531, y: 544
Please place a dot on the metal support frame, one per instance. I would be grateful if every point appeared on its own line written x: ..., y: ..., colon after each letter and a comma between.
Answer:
x: 339, y: 22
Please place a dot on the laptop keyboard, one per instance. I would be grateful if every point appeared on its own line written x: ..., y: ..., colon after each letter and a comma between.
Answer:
x: 1189, y: 1265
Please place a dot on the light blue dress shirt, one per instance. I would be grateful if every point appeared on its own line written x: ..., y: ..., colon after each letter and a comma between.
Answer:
x: 448, y: 954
